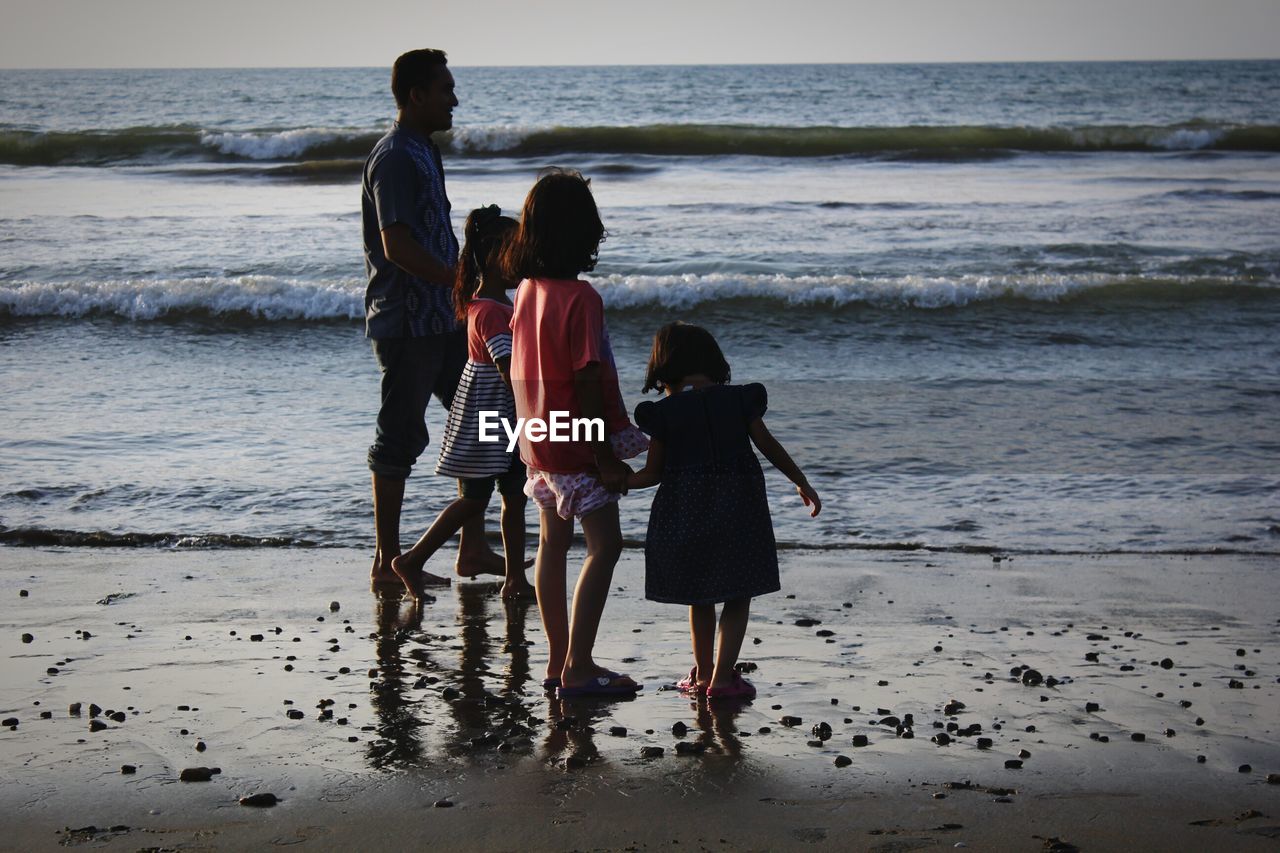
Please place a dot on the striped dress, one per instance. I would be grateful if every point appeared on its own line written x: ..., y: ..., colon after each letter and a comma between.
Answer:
x: 481, y: 388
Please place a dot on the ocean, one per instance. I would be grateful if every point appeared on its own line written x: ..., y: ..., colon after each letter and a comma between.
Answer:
x: 998, y: 307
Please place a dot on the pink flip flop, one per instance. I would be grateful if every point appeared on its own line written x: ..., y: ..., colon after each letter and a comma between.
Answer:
x: 689, y: 684
x: 602, y: 685
x: 739, y: 689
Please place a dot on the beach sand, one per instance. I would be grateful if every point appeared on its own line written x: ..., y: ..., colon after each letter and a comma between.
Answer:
x: 403, y: 712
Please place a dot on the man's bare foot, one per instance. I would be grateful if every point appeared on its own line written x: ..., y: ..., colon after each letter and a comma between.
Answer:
x: 381, y: 576
x: 518, y: 589
x: 474, y: 564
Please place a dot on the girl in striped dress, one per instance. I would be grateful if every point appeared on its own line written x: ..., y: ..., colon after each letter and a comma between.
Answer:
x: 480, y: 299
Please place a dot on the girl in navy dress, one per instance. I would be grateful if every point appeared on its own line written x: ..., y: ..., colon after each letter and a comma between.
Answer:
x: 710, y: 538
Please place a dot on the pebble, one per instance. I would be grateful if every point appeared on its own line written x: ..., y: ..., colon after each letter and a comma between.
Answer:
x: 1245, y: 768
x: 807, y: 623
x: 74, y: 709
x: 651, y: 752
x: 942, y: 738
x: 200, y: 746
x: 28, y: 638
x: 334, y: 606
x: 686, y: 747
x: 575, y: 762
x: 443, y: 804
x: 1166, y: 663
x: 822, y: 731
x: 1273, y: 778
x: 22, y: 593
x: 1012, y: 764
x: 128, y: 769
x: 953, y: 707
x: 96, y: 725
x: 294, y: 714
x: 679, y: 729
x: 1024, y: 753
x: 843, y: 761
x: 10, y: 721
x: 118, y: 716
x: 791, y: 721
x: 196, y: 774
x: 1092, y: 707
x: 984, y: 743
x: 262, y: 800
x: 618, y: 731
x: 1032, y: 678
x: 860, y: 740
x: 1200, y: 759
x: 1137, y: 737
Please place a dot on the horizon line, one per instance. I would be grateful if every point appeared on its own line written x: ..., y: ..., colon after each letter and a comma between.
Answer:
x: 636, y: 64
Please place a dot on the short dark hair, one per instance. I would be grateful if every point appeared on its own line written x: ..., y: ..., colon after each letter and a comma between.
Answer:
x: 680, y: 350
x: 415, y: 68
x: 560, y: 229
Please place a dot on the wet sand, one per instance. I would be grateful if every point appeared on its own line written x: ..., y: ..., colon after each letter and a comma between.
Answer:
x: 1109, y: 676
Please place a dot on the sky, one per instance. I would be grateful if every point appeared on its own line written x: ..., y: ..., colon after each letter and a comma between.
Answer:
x: 272, y: 33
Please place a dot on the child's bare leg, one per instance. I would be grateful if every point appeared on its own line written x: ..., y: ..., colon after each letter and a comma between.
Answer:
x: 733, y: 627
x: 515, y: 585
x: 702, y: 628
x: 554, y: 536
x: 475, y: 557
x: 408, y: 566
x: 604, y: 547
x: 388, y: 495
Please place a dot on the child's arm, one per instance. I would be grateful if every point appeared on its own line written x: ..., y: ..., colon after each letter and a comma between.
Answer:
x: 589, y: 385
x: 651, y: 473
x: 504, y: 369
x: 780, y: 459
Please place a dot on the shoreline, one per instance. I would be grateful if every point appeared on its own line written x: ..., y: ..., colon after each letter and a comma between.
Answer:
x: 455, y: 711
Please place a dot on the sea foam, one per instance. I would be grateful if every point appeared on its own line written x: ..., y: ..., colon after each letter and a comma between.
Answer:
x: 271, y: 298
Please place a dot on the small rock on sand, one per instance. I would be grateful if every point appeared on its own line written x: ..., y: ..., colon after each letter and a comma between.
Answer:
x: 443, y: 804
x: 1013, y: 764
x: 28, y: 638
x: 843, y: 761
x: 334, y: 606
x: 96, y: 725
x: 196, y: 774
x: 128, y: 769
x: 262, y: 800
x: 651, y: 752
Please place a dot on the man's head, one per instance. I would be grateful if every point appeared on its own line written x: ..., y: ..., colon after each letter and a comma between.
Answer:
x: 423, y: 87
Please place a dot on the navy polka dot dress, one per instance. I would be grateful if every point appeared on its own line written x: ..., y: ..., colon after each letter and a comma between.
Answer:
x: 710, y: 537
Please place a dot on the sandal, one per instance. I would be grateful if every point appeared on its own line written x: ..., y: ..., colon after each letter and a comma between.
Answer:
x: 689, y: 684
x: 739, y: 689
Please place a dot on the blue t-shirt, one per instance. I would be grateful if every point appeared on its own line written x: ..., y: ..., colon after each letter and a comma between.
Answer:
x: 404, y: 183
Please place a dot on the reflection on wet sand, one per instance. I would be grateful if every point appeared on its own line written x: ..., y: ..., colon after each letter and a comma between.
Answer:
x: 482, y: 680
x: 483, y: 689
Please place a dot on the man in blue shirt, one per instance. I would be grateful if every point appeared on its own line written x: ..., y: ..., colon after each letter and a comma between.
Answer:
x: 410, y: 252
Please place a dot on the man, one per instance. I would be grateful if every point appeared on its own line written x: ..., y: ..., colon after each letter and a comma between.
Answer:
x: 410, y: 252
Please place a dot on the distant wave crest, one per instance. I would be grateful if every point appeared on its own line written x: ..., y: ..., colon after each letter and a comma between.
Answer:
x: 185, y: 143
x: 271, y: 299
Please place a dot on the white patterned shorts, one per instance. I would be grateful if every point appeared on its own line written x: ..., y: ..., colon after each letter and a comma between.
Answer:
x: 577, y: 495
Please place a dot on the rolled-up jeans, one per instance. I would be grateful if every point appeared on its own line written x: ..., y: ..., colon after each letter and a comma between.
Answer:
x: 413, y: 369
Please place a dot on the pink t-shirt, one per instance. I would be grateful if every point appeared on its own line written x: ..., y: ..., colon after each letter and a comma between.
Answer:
x: 488, y: 330
x: 558, y: 329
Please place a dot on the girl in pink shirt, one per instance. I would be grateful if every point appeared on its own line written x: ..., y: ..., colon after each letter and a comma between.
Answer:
x: 561, y: 364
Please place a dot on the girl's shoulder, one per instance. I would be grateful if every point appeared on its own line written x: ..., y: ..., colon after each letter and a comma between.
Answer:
x: 482, y: 305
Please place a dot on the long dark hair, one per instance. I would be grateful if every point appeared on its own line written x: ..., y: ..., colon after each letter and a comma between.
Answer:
x: 484, y: 234
x: 680, y: 350
x: 560, y: 229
